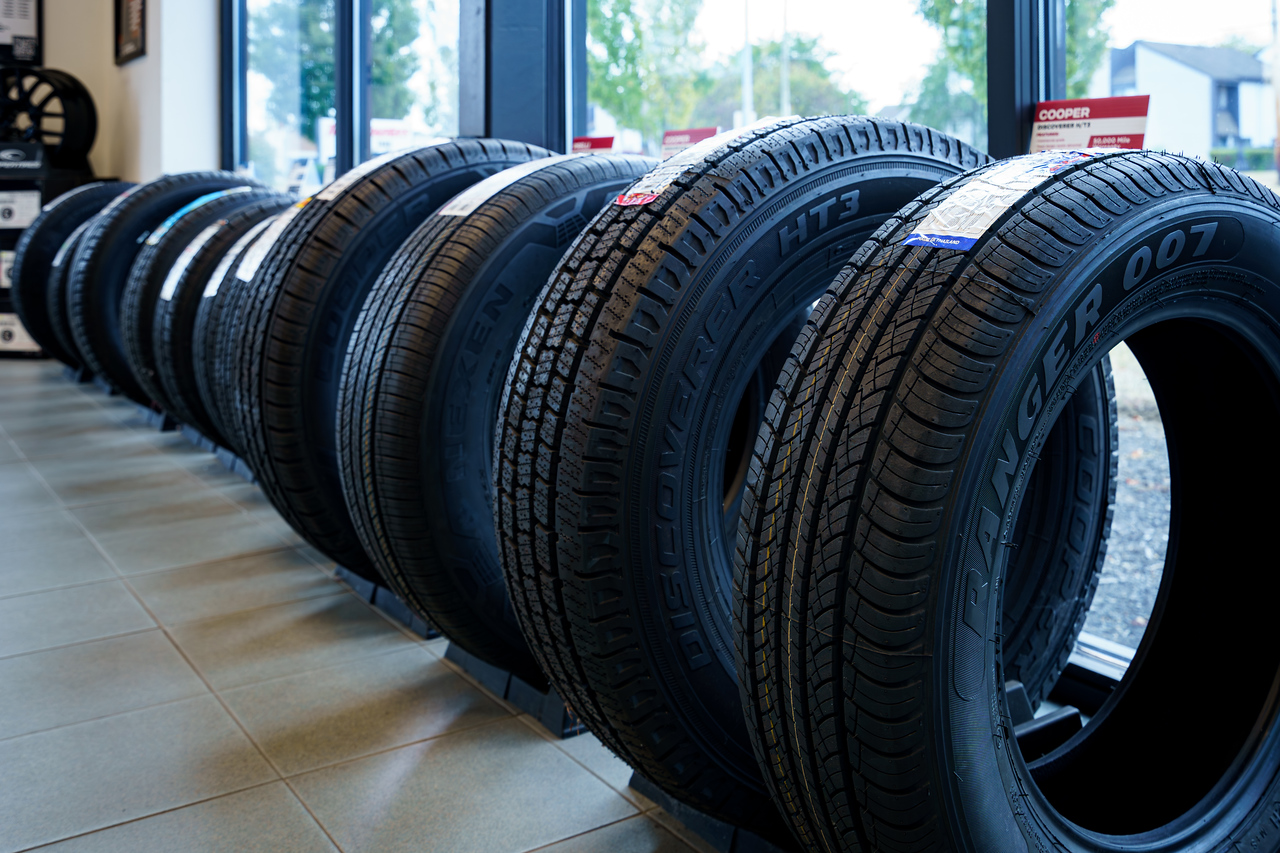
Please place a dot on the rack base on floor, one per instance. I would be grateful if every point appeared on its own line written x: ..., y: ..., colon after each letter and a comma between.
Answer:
x: 721, y: 836
x: 547, y: 708
x: 386, y: 601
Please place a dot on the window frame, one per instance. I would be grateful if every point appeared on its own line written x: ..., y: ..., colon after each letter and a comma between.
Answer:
x: 503, y: 44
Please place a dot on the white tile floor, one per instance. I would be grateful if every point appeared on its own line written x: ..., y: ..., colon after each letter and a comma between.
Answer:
x: 179, y: 671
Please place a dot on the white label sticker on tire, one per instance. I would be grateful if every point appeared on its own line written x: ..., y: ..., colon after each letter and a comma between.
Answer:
x: 649, y: 187
x: 338, y: 185
x: 179, y: 267
x: 963, y: 217
x: 71, y: 241
x: 258, y: 252
x: 475, y: 195
x: 19, y: 209
x: 220, y: 271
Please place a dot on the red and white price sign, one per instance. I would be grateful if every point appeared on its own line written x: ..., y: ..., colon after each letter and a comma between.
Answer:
x: 1090, y: 123
x: 675, y: 141
x: 592, y: 144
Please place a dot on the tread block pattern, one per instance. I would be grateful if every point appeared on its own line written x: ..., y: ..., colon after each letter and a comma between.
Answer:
x: 569, y: 414
x: 853, y: 471
x: 384, y: 426
x: 278, y: 328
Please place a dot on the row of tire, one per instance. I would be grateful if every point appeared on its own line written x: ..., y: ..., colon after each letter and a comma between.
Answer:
x: 578, y: 413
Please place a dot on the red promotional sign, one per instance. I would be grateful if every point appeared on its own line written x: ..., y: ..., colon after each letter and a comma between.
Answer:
x: 592, y: 144
x: 675, y: 141
x: 1090, y: 123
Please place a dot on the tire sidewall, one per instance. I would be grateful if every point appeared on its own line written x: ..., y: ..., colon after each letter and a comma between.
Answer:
x: 763, y: 271
x: 991, y: 799
x: 337, y: 306
x: 464, y: 391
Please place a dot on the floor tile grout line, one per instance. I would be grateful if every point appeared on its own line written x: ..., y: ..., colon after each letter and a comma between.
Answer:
x: 202, y: 801
x: 530, y: 724
x: 22, y: 456
x: 100, y: 717
x: 557, y: 743
x: 390, y: 749
x: 79, y: 642
x: 258, y: 608
x: 641, y: 816
x: 63, y: 587
x: 312, y: 669
x: 185, y: 471
x: 244, y: 554
x: 205, y: 680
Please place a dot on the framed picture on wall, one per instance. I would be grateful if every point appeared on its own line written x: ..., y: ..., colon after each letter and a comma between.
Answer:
x: 131, y: 30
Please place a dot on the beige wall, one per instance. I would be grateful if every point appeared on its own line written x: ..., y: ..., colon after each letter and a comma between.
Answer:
x: 158, y: 113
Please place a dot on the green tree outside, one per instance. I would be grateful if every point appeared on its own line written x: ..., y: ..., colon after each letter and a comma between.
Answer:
x: 813, y: 90
x: 394, y: 25
x: 645, y: 68
x: 643, y: 64
x: 291, y: 43
x: 953, y: 95
x: 1086, y: 43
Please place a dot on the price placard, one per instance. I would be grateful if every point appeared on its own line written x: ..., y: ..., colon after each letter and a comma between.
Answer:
x: 1090, y: 123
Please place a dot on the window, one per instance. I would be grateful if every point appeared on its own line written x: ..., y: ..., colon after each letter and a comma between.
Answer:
x: 289, y: 86
x: 413, y: 76
x: 288, y: 113
x: 1208, y: 75
x: 680, y: 64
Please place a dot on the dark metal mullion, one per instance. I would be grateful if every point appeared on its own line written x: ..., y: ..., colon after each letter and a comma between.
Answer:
x: 578, y: 67
x: 233, y: 36
x: 344, y: 44
x: 473, y: 73
x: 1026, y: 64
x: 524, y: 57
x: 363, y: 69
x: 1055, y: 49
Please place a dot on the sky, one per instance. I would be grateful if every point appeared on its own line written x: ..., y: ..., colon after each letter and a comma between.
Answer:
x: 882, y: 47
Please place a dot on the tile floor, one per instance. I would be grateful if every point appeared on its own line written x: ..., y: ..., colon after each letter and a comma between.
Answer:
x: 179, y: 671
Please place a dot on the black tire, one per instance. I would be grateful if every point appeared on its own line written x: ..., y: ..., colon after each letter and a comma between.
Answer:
x: 34, y: 254
x: 100, y: 267
x: 421, y: 386
x: 49, y: 107
x: 665, y: 320
x: 56, y: 297
x: 922, y: 395
x: 299, y: 312
x: 173, y: 329
x: 212, y: 345
x: 149, y: 274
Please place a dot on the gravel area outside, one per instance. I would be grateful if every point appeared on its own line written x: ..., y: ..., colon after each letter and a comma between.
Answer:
x: 1131, y: 574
